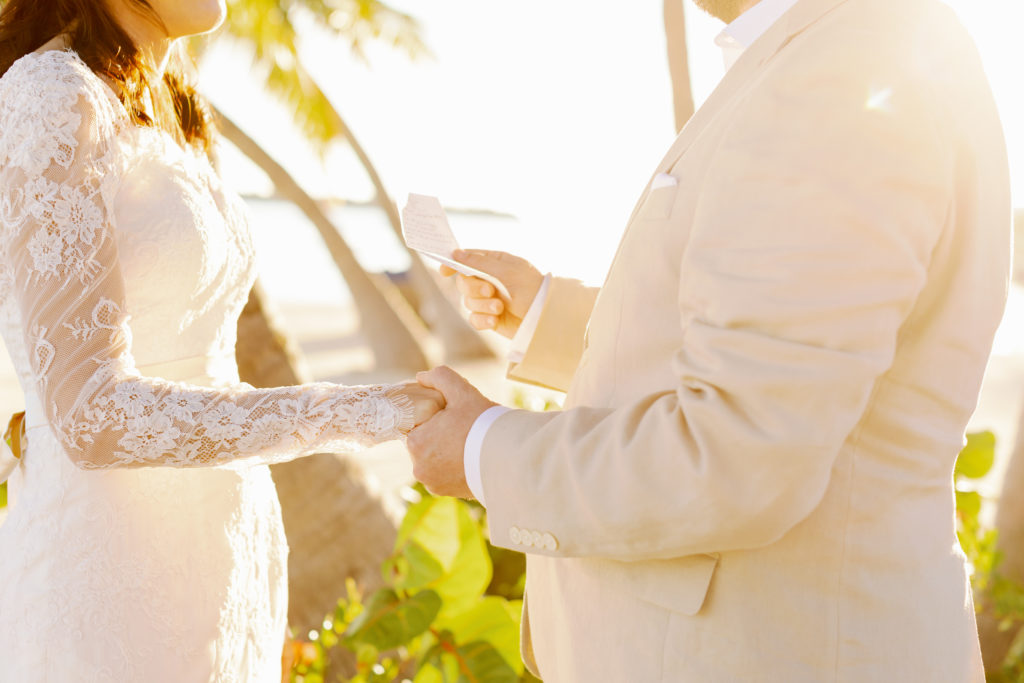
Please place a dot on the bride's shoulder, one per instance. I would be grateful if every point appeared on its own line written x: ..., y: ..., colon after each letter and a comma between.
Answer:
x: 48, y: 71
x: 44, y: 99
x: 50, y: 81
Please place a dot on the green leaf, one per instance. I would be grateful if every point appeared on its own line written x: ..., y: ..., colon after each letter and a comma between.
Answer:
x: 433, y: 523
x: 444, y: 529
x: 328, y: 638
x: 493, y: 620
x: 968, y: 504
x: 3, y: 495
x: 1013, y: 665
x: 416, y: 568
x: 412, y: 521
x: 389, y: 621
x: 430, y: 656
x: 509, y: 574
x: 480, y: 662
x: 428, y: 674
x: 977, y: 457
x: 366, y: 655
x: 440, y: 659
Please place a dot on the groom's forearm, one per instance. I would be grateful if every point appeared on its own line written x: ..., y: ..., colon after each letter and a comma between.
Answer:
x: 640, y: 483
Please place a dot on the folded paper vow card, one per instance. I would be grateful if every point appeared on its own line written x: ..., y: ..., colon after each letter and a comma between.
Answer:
x: 426, y: 230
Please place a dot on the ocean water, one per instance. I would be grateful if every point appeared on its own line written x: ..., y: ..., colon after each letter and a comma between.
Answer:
x: 296, y: 268
x: 293, y: 263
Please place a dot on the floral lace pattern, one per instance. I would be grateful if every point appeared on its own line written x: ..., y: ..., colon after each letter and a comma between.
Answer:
x: 59, y: 153
x: 128, y: 554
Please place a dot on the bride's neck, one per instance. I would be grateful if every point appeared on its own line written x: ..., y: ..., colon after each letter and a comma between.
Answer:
x: 149, y: 37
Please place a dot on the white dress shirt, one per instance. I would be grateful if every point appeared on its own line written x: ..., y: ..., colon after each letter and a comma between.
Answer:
x: 748, y: 27
x: 734, y: 39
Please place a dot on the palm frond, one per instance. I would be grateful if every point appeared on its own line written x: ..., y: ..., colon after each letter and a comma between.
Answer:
x: 268, y: 27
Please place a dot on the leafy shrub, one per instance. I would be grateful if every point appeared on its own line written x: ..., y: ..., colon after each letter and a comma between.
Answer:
x: 993, y: 592
x: 449, y: 612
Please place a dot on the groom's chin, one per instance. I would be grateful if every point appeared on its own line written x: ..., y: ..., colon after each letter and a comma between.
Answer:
x: 726, y: 10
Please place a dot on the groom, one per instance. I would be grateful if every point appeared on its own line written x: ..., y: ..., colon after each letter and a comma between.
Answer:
x: 752, y: 476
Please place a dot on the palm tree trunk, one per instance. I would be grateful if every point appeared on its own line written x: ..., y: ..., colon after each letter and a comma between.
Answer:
x: 392, y: 328
x: 460, y: 340
x: 678, y: 61
x: 337, y: 527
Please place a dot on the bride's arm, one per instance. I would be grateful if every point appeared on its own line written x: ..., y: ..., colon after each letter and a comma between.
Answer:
x: 60, y: 249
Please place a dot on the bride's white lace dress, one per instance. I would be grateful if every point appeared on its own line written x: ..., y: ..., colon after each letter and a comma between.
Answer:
x: 144, y: 542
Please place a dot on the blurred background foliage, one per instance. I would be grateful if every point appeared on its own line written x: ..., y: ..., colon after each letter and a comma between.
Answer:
x: 996, y: 596
x: 270, y: 29
x: 450, y: 609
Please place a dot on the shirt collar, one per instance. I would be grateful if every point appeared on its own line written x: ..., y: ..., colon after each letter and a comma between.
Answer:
x: 748, y: 27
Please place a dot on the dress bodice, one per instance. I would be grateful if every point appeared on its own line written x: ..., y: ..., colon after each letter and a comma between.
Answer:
x: 125, y: 264
x: 182, y: 239
x: 185, y: 253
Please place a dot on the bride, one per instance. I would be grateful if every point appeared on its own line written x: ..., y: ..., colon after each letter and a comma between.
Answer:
x: 145, y: 540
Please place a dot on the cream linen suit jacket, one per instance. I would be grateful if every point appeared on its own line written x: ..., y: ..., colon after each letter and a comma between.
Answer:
x: 752, y: 476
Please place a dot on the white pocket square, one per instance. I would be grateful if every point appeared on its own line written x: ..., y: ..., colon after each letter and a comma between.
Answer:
x: 663, y: 180
x: 660, y: 198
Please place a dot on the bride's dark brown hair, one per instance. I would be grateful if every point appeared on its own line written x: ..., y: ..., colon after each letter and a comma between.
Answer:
x: 107, y: 49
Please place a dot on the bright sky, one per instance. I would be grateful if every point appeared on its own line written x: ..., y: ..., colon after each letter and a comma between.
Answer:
x: 555, y: 112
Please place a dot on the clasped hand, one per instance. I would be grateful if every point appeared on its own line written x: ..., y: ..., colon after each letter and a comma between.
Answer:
x: 447, y: 405
x: 445, y: 408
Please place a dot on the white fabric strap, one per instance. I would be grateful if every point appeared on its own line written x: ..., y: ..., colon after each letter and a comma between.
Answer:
x: 34, y: 415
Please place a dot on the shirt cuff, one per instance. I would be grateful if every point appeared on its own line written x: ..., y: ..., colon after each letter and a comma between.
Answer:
x: 524, y: 334
x: 474, y: 445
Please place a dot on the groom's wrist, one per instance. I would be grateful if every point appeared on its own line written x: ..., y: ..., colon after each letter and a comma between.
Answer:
x: 474, y: 447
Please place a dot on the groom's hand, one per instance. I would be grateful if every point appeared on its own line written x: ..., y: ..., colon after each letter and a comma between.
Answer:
x: 487, y: 309
x: 438, y: 444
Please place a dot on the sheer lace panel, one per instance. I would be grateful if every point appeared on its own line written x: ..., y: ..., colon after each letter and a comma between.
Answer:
x: 58, y: 177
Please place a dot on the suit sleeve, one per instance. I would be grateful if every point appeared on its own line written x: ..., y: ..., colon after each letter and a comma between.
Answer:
x: 809, y: 245
x: 557, y: 345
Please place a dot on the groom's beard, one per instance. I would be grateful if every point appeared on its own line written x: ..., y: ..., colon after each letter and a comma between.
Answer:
x: 726, y: 10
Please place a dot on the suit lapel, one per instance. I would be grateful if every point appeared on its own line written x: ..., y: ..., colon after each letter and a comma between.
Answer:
x: 795, y: 21
x: 802, y: 15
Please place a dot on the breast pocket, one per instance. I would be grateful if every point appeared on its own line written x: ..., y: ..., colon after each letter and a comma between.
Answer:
x: 660, y: 199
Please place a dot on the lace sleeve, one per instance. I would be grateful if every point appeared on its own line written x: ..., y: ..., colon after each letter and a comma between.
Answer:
x: 61, y: 255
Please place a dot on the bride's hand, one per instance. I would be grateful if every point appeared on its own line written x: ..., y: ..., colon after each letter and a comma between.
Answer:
x: 426, y: 402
